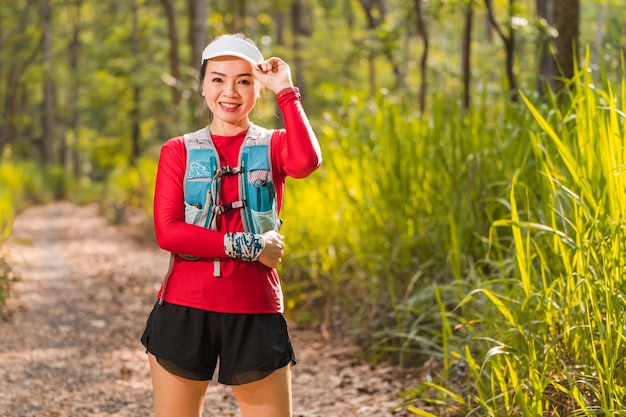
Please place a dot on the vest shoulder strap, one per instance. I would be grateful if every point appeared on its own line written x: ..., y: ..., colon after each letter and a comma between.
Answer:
x: 198, y: 139
x: 258, y: 135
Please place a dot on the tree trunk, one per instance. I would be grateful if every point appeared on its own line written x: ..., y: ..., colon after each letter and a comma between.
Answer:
x: 567, y: 17
x: 547, y: 66
x: 466, y: 54
x: 73, y: 154
x: 374, y: 14
x: 47, y: 150
x: 280, y: 18
x: 10, y: 106
x: 509, y: 46
x: 175, y: 81
x: 239, y: 15
x: 198, y: 38
x: 135, y: 113
x: 349, y: 14
x: 300, y: 31
x: 423, y: 32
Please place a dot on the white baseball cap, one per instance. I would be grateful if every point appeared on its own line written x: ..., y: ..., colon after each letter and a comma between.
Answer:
x: 229, y: 45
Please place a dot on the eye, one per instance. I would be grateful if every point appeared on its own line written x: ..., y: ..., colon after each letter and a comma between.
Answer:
x: 216, y: 80
x: 245, y: 82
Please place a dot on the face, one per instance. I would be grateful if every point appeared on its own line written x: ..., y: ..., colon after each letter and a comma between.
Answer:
x: 230, y: 90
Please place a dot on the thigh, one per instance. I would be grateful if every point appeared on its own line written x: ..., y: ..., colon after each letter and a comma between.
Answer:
x: 268, y: 397
x: 173, y: 395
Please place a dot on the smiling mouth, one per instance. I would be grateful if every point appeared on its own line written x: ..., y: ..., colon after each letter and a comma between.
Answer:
x: 229, y: 106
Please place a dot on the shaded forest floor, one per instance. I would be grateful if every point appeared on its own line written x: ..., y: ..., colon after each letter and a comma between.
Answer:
x: 70, y: 344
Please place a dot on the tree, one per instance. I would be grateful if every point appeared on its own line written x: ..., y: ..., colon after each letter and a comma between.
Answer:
x: 466, y: 52
x: 547, y: 67
x: 73, y: 50
x: 135, y: 113
x: 198, y: 38
x: 198, y: 12
x: 22, y: 52
x: 175, y: 80
x: 375, y: 12
x: 301, y: 27
x: 47, y: 141
x: 239, y: 15
x: 422, y: 30
x: 567, y: 19
x: 509, y: 44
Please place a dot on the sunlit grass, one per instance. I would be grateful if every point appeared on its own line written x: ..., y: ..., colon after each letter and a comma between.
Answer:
x: 400, y: 209
x: 550, y: 338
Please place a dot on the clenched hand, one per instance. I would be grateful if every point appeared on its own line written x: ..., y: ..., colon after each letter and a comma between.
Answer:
x: 274, y: 249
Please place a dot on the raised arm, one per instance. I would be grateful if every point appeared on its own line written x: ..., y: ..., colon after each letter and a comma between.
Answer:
x: 300, y: 152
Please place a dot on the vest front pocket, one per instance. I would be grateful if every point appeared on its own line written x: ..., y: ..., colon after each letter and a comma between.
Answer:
x: 264, y: 221
x: 194, y: 215
x: 260, y: 190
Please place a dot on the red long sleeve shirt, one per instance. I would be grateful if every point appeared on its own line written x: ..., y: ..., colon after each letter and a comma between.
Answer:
x: 243, y: 287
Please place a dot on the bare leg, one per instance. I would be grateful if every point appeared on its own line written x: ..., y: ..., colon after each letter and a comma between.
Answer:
x: 269, y: 397
x: 175, y: 396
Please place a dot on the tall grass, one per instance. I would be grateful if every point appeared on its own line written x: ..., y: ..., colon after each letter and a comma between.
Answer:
x: 401, y: 207
x: 548, y: 332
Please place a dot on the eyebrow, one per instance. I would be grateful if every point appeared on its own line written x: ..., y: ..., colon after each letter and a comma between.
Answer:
x: 247, y: 74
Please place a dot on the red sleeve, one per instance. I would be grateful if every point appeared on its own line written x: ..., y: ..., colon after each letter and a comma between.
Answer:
x: 300, y: 152
x: 172, y: 233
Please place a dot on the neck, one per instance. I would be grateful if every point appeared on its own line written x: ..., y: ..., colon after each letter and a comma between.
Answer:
x: 221, y: 128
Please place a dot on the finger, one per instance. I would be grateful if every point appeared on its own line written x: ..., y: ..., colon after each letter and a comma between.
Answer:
x: 266, y: 66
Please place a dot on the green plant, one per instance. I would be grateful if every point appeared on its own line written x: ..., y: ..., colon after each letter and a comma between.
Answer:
x: 547, y: 332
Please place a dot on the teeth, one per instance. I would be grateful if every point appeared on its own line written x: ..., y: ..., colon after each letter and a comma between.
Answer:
x: 229, y: 105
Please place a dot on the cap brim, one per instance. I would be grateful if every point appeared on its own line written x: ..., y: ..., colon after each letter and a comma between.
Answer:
x: 231, y: 53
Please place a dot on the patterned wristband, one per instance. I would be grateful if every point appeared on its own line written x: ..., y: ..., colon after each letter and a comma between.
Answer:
x: 244, y: 246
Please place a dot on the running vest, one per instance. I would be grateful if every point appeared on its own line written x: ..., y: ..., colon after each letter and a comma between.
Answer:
x: 257, y: 193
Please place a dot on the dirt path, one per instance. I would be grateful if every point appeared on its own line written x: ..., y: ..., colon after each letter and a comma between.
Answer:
x: 71, y: 345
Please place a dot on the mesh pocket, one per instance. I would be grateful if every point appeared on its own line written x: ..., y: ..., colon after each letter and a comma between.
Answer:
x: 264, y: 221
x: 194, y: 215
x: 259, y: 177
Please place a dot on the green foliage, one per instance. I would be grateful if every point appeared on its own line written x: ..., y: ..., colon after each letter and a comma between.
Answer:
x: 400, y: 209
x: 545, y: 336
x: 7, y: 277
x: 21, y: 183
x: 470, y: 238
x: 130, y: 188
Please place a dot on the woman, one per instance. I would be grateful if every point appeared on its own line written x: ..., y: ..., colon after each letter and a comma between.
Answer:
x: 217, y: 198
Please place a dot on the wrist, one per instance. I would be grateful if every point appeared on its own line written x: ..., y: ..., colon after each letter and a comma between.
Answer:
x: 244, y: 246
x: 287, y: 90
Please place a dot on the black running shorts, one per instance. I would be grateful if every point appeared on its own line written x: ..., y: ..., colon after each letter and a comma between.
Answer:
x: 188, y: 342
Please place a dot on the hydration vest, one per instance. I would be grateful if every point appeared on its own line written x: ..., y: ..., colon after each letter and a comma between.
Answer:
x: 202, y: 182
x: 257, y: 194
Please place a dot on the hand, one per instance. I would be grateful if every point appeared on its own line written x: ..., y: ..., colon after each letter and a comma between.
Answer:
x: 273, y: 250
x: 274, y: 73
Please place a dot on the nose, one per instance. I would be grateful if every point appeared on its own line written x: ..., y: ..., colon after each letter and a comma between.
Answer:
x: 230, y: 89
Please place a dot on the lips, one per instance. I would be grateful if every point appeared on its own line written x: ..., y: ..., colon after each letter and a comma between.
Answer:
x: 229, y: 106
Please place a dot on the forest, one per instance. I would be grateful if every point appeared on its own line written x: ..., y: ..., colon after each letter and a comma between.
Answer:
x: 470, y: 209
